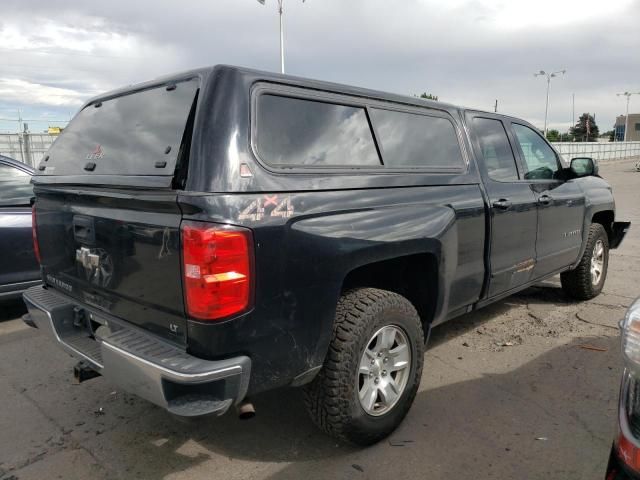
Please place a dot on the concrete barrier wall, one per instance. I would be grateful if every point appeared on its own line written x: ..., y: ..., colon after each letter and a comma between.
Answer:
x: 598, y: 151
x: 31, y: 147
x: 28, y: 148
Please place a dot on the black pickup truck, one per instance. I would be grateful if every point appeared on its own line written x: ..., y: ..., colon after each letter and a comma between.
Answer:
x: 222, y: 232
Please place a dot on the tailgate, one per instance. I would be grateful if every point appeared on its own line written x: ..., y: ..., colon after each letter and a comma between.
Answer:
x: 106, y: 211
x: 116, y: 251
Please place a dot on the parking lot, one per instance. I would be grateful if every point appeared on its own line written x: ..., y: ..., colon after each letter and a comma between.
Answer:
x: 526, y: 388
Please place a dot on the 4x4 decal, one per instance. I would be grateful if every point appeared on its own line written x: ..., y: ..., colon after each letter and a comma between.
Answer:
x: 256, y: 210
x: 284, y: 209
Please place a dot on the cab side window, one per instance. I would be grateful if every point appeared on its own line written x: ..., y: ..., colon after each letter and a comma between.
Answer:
x: 415, y: 140
x: 295, y: 132
x: 540, y: 160
x: 496, y: 150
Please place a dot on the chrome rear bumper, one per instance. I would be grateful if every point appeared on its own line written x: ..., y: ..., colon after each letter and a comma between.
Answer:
x: 138, y: 361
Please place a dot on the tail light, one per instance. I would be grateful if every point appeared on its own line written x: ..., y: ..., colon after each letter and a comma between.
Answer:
x: 34, y: 234
x: 628, y: 453
x: 217, y: 268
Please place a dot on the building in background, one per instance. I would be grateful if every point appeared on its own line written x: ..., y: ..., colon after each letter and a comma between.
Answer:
x: 55, y: 130
x: 634, y: 128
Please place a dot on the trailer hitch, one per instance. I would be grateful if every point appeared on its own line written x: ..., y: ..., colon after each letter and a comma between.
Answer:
x: 82, y: 372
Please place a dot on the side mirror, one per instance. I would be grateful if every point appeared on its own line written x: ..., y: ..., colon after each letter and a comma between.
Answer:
x: 584, y: 167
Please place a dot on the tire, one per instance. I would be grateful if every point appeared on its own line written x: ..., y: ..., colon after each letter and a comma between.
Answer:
x: 580, y: 283
x: 333, y: 397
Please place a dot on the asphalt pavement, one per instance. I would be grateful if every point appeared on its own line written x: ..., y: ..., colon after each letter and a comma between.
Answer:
x: 525, y: 388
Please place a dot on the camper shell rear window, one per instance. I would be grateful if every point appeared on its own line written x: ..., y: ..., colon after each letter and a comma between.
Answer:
x: 139, y: 133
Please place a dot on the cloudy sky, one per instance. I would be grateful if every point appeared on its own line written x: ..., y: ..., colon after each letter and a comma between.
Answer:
x: 56, y: 54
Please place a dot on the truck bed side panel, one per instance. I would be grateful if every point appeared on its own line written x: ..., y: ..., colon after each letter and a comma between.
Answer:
x: 307, y: 243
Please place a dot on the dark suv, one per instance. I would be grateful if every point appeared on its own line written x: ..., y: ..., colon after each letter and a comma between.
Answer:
x: 222, y: 232
x: 19, y: 265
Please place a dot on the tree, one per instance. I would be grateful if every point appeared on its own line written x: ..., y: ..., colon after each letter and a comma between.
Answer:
x: 565, y: 137
x: 609, y: 134
x: 553, y: 135
x: 586, y: 129
x: 428, y: 96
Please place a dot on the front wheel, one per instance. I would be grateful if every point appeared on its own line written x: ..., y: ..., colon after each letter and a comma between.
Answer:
x: 372, y: 370
x: 587, y: 279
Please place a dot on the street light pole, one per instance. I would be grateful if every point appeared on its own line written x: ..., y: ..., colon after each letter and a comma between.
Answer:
x: 280, y: 12
x: 573, y: 111
x: 626, y: 118
x: 546, y: 107
x: 281, y: 37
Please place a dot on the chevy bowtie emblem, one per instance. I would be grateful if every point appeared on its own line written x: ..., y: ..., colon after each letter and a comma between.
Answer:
x: 87, y: 259
x: 97, y: 265
x: 96, y: 154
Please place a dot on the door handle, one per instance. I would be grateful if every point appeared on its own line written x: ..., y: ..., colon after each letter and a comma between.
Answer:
x: 502, y: 204
x: 545, y: 200
x: 84, y: 229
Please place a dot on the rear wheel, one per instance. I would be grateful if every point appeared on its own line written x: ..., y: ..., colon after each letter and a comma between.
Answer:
x: 373, y: 368
x: 587, y: 279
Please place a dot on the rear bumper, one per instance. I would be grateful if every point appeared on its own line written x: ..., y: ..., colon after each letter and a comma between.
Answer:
x: 138, y: 361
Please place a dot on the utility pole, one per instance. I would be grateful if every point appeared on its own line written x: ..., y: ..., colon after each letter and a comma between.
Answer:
x: 495, y: 107
x: 626, y: 118
x: 281, y: 37
x: 27, y: 146
x: 573, y: 114
x: 573, y: 107
x: 23, y: 140
x: 280, y: 13
x: 549, y: 77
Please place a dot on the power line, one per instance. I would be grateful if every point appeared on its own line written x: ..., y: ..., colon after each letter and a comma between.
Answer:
x: 32, y: 120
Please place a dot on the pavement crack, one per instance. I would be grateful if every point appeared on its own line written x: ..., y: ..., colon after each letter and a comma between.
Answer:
x: 618, y: 295
x: 577, y: 315
x: 31, y: 460
x: 68, y: 442
x: 607, y: 305
x: 586, y: 428
x: 626, y: 255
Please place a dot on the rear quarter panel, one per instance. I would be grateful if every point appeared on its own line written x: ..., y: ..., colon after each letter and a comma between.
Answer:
x: 307, y: 242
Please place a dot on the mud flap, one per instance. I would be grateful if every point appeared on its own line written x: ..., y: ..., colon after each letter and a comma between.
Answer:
x: 618, y: 231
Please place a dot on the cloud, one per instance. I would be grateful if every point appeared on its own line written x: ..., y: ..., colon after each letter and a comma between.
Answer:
x: 20, y: 91
x: 469, y: 52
